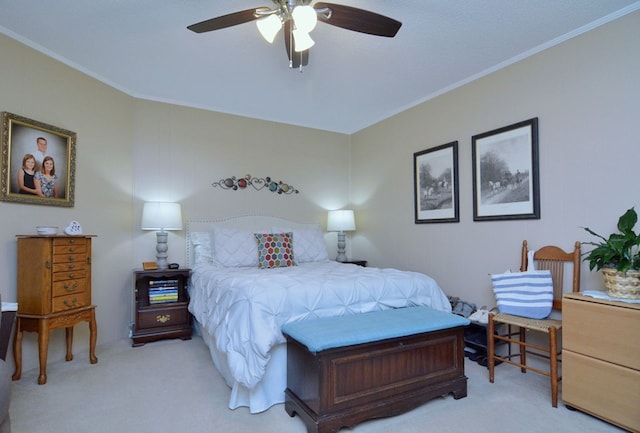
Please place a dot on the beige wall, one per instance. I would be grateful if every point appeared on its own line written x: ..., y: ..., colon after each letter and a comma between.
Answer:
x: 36, y: 87
x: 179, y: 152
x: 130, y: 151
x: 586, y: 95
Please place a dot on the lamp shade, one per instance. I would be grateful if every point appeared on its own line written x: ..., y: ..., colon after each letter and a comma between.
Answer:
x: 305, y: 18
x: 341, y: 221
x: 302, y: 41
x: 269, y: 27
x: 161, y: 216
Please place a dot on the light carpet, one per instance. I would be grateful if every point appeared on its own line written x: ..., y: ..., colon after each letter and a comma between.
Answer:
x: 171, y: 386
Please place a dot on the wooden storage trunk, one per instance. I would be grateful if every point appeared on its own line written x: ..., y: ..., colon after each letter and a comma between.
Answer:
x: 343, y: 386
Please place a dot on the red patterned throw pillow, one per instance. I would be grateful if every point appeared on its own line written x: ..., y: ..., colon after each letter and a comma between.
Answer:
x: 275, y: 250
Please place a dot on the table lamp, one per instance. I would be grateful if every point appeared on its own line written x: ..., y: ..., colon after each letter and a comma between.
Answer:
x: 341, y: 221
x: 161, y: 216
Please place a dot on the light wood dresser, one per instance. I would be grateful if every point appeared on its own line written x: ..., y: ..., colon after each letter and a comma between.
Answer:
x: 54, y: 291
x: 601, y: 359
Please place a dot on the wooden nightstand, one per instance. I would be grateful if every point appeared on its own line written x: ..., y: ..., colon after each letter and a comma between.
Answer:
x: 161, y: 306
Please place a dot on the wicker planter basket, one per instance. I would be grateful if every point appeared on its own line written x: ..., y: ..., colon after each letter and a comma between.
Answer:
x: 621, y: 284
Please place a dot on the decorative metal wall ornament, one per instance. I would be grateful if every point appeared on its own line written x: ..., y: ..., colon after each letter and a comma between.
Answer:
x: 258, y: 183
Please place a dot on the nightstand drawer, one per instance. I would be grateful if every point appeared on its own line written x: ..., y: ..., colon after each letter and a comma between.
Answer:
x: 174, y: 315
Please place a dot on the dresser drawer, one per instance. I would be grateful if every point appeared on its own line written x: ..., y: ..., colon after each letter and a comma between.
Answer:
x: 68, y: 302
x: 174, y: 315
x: 609, y: 333
x: 74, y: 248
x: 70, y: 242
x: 69, y: 275
x: 603, y: 389
x: 69, y: 258
x: 67, y: 287
x: 67, y: 267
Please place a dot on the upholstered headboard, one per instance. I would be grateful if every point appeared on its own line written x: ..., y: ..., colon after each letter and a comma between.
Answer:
x: 257, y: 223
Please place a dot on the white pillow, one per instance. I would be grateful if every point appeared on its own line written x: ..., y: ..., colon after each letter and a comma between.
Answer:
x: 201, y: 242
x: 308, y: 244
x: 234, y: 247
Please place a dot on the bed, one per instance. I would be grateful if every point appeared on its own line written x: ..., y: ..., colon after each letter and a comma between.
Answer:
x: 241, y: 296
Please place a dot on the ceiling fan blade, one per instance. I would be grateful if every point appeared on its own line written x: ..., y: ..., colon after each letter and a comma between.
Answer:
x: 359, y: 20
x: 225, y: 21
x: 296, y: 59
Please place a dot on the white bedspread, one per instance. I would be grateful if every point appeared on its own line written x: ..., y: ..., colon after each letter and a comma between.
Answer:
x: 244, y: 308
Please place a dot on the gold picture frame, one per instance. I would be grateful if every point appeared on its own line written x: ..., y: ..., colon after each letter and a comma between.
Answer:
x: 22, y: 139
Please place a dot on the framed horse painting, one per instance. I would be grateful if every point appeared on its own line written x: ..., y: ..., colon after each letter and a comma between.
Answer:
x: 435, y: 185
x: 505, y: 173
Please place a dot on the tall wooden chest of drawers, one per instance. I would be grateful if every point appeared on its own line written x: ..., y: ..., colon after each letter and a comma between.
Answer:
x: 54, y: 291
x: 601, y: 358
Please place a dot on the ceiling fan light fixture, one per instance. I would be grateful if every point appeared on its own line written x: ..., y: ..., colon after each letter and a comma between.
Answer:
x: 302, y: 40
x: 305, y: 18
x: 269, y: 27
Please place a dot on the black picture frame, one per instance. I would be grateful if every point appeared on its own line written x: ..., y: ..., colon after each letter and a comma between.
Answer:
x: 505, y: 173
x: 435, y: 173
x: 21, y: 138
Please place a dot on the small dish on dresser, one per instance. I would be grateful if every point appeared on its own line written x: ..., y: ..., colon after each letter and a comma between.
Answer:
x: 46, y: 230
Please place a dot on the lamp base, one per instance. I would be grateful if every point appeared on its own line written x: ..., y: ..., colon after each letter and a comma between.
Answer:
x: 341, y: 245
x: 161, y: 250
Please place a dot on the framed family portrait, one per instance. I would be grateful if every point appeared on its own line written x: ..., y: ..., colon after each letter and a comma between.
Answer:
x: 505, y: 173
x: 38, y: 162
x: 435, y: 173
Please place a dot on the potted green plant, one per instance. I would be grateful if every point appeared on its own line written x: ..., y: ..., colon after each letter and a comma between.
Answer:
x: 618, y: 257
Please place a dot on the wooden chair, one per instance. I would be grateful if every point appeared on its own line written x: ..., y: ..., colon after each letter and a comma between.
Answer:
x: 554, y: 259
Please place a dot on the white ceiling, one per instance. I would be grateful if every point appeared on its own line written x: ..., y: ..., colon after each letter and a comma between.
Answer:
x: 353, y: 80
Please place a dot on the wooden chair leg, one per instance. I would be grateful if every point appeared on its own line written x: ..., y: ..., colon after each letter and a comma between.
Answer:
x: 490, y: 347
x: 553, y: 365
x: 523, y: 349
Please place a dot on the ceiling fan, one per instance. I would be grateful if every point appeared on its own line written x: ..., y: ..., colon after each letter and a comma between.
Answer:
x: 298, y: 18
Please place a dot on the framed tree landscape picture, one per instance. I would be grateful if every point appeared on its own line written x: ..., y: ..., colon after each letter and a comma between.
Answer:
x: 38, y: 162
x: 505, y: 173
x: 435, y: 174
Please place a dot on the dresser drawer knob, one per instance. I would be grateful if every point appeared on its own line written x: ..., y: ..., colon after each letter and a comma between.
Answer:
x: 71, y: 258
x: 71, y: 267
